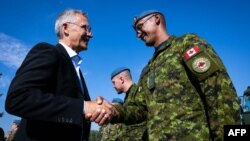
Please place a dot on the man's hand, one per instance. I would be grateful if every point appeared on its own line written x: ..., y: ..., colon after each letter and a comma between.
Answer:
x: 99, y: 111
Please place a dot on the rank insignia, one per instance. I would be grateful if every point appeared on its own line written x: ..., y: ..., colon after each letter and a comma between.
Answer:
x: 201, y: 64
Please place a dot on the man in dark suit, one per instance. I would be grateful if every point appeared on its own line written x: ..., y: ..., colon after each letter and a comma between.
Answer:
x: 49, y: 92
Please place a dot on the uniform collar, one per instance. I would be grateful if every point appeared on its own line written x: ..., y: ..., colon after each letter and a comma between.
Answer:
x: 164, y: 45
x: 159, y: 46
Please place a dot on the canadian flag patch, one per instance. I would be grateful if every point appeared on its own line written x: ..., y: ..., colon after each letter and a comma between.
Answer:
x: 191, y: 52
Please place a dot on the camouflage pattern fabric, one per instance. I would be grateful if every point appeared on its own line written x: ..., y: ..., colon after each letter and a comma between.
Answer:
x: 124, y: 132
x: 133, y: 132
x: 110, y: 132
x: 178, y: 104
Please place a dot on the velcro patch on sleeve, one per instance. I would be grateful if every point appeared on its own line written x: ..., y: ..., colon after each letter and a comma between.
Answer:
x: 200, y: 62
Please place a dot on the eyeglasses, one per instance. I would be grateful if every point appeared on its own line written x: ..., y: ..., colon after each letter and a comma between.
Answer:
x: 139, y: 26
x: 85, y: 27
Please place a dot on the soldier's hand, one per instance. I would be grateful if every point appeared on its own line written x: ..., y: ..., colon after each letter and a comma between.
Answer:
x: 99, y: 111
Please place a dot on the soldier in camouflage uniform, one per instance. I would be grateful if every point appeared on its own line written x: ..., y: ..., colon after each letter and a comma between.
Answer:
x: 184, y: 91
x: 122, y: 82
x: 112, y: 132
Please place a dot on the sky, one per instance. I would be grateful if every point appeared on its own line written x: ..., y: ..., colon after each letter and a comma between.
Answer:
x: 24, y: 23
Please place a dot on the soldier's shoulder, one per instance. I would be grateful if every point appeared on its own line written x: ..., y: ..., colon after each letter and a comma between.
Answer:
x: 188, y: 37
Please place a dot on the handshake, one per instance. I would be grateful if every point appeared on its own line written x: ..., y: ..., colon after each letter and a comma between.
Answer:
x: 100, y: 111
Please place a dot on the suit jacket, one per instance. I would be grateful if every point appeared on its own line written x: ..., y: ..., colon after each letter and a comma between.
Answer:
x: 46, y: 94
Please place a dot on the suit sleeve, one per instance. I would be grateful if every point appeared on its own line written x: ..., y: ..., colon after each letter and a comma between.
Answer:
x: 32, y: 93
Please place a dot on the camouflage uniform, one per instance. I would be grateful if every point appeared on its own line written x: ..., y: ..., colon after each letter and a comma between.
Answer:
x: 133, y: 132
x: 185, y: 93
x: 124, y: 132
x: 111, y: 132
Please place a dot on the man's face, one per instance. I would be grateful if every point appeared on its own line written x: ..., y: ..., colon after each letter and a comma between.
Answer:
x: 117, y: 84
x: 79, y: 33
x: 145, y: 29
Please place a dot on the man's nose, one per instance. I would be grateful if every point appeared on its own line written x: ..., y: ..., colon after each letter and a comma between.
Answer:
x: 90, y: 35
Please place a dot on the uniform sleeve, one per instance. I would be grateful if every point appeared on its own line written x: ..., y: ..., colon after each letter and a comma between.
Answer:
x: 134, y: 109
x: 220, y: 96
x: 131, y: 113
x: 215, y: 87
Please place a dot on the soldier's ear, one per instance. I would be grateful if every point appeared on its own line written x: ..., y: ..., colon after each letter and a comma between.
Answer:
x: 122, y: 80
x: 157, y: 19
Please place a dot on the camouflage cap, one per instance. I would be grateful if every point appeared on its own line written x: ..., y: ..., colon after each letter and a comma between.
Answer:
x: 140, y: 16
x: 118, y: 70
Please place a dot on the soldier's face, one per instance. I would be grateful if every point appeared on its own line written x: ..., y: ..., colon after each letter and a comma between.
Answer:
x: 145, y: 29
x: 118, y: 84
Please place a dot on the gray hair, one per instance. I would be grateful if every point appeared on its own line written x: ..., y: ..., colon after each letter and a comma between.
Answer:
x: 68, y: 15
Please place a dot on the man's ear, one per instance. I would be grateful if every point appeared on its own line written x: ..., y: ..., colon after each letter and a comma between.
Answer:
x: 157, y: 19
x: 121, y: 78
x: 65, y: 29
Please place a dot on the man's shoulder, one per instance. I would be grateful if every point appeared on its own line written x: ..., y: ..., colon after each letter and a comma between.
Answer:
x: 44, y: 44
x: 188, y: 41
x: 187, y: 37
x: 42, y: 48
x: 133, y: 87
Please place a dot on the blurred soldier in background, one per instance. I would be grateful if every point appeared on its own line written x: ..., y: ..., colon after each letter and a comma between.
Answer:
x: 122, y: 82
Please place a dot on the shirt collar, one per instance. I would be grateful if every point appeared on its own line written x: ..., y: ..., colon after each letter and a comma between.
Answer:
x: 72, y: 54
x: 69, y: 50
